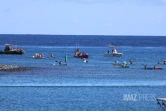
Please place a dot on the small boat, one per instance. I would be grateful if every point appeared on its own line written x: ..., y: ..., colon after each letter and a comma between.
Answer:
x: 38, y: 56
x: 10, y: 50
x: 162, y: 103
x: 79, y: 54
x: 153, y: 68
x: 124, y: 66
x: 116, y: 64
x: 60, y: 63
x: 114, y: 53
x: 163, y: 63
x: 63, y: 65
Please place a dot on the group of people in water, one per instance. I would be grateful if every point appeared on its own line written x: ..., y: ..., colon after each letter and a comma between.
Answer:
x: 155, y: 66
x: 124, y: 64
x: 37, y: 55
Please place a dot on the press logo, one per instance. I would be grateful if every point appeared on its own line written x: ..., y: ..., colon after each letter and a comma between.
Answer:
x: 139, y: 97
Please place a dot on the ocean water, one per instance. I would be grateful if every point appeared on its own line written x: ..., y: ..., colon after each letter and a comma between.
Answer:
x: 93, y: 86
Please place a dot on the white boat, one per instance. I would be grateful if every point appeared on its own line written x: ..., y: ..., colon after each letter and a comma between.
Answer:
x: 162, y: 103
x: 114, y: 52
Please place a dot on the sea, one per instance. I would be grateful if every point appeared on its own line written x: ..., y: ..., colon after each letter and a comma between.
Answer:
x: 78, y: 86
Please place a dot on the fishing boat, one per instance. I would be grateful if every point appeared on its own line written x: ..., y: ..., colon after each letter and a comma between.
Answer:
x: 9, y: 49
x: 79, y: 54
x: 114, y: 52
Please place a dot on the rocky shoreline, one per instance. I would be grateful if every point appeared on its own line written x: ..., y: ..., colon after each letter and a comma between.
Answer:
x: 4, y: 67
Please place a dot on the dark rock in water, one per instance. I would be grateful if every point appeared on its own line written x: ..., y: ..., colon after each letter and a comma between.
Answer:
x: 12, y: 68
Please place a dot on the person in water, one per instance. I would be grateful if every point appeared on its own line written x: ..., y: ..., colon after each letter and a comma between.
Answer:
x: 164, y: 62
x: 155, y: 67
x: 60, y: 63
x: 52, y: 56
x: 124, y: 64
x: 131, y: 62
x: 146, y: 66
x: 116, y: 63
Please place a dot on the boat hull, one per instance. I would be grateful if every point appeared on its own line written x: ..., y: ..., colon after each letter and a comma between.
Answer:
x: 12, y: 52
x: 113, y: 55
x: 39, y: 57
x: 125, y: 66
x: 83, y: 56
x: 153, y: 69
x: 162, y: 63
x: 116, y: 64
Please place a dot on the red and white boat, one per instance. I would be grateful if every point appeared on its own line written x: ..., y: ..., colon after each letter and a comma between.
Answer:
x: 79, y: 54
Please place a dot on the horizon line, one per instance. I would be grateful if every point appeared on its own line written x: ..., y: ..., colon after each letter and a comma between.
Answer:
x: 85, y: 35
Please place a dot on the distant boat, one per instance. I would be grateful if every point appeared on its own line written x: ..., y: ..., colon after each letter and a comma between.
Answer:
x: 114, y: 52
x: 162, y: 103
x: 10, y: 50
x: 79, y: 54
x: 116, y: 63
x: 60, y: 63
x: 153, y: 68
x: 125, y: 66
x: 38, y: 56
x: 164, y: 63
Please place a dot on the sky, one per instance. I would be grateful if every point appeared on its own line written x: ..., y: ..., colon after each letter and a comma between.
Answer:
x: 83, y: 17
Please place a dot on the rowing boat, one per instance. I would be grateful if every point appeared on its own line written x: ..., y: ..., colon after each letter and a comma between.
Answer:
x: 153, y: 68
x: 124, y: 66
x: 116, y: 64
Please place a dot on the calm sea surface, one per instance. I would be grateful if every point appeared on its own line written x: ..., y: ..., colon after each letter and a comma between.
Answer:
x: 93, y: 86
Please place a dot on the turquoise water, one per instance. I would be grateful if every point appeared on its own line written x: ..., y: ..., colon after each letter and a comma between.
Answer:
x: 96, y: 85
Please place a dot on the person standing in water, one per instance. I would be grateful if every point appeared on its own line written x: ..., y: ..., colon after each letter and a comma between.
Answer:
x: 131, y: 62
